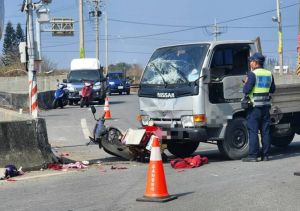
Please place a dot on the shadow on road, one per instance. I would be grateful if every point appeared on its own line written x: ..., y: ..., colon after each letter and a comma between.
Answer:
x: 276, y: 153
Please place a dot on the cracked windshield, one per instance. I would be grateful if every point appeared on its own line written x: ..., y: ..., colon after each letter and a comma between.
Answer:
x: 175, y: 65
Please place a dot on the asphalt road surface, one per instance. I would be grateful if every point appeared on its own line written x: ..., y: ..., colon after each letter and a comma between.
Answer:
x: 114, y: 184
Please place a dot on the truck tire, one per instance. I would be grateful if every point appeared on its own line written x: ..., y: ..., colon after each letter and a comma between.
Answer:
x: 236, y: 142
x: 282, y: 141
x: 183, y: 149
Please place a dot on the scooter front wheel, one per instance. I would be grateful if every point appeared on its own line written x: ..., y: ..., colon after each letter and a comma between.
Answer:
x: 54, y: 104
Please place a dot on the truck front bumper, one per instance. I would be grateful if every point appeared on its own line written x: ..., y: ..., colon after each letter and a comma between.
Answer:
x: 184, y: 134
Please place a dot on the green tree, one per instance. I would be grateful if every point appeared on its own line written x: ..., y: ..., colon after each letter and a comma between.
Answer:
x: 19, y: 34
x: 10, y: 45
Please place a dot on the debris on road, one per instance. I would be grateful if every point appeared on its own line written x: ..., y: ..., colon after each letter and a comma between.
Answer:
x: 189, y: 162
x: 77, y: 165
x: 118, y: 167
x: 10, y: 171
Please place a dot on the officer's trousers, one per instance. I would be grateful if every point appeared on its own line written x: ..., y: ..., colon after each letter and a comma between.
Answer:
x: 258, y: 118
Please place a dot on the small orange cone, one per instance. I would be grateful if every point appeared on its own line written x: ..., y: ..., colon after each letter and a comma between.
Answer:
x: 156, y: 188
x: 106, y: 109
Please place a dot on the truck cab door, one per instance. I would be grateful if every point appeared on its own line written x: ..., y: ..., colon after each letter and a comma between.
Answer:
x: 228, y: 67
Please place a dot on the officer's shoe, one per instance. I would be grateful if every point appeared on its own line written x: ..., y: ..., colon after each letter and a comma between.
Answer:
x: 266, y: 158
x: 250, y: 159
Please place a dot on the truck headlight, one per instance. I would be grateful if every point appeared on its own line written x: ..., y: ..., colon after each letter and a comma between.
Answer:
x: 111, y: 83
x: 97, y: 86
x: 187, y: 121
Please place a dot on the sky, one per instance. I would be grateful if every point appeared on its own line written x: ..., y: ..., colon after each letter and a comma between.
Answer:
x: 137, y: 27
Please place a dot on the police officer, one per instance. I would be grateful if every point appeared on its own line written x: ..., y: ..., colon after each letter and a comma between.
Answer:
x: 258, y: 86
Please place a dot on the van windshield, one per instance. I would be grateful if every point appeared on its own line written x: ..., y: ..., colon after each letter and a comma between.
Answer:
x: 115, y: 76
x: 81, y: 75
x: 175, y: 65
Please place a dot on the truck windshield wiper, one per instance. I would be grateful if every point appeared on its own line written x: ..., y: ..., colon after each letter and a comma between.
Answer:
x: 157, y: 70
x: 195, y: 81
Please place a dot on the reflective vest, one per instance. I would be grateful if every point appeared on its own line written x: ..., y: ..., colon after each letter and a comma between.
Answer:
x: 260, y: 95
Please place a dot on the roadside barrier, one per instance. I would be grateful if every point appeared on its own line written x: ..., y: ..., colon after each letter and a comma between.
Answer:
x: 156, y: 187
x: 107, y: 114
x: 24, y: 141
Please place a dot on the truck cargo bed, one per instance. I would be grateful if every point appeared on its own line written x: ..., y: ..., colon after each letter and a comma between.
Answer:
x: 286, y: 98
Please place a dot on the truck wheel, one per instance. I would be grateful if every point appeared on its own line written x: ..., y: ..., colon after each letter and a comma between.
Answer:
x: 282, y: 141
x: 70, y: 102
x: 128, y: 92
x: 236, y: 143
x: 182, y: 149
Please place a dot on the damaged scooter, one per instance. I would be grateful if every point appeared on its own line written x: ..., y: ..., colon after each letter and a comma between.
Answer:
x: 134, y: 144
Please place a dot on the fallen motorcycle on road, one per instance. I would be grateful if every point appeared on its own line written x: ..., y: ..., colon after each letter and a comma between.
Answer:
x: 134, y: 144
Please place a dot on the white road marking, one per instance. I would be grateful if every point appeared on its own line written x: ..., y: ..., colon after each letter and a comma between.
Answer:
x: 85, y: 130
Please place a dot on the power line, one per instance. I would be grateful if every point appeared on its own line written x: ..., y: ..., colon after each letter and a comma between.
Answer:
x: 203, y: 26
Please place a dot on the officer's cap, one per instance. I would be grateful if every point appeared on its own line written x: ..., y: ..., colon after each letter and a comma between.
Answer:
x: 257, y: 57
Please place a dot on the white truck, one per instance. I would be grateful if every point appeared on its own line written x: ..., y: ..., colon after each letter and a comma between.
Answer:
x: 86, y: 69
x: 193, y: 93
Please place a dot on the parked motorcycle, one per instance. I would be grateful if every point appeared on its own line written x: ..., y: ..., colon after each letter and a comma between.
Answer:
x: 112, y: 140
x: 86, y: 93
x: 61, y: 96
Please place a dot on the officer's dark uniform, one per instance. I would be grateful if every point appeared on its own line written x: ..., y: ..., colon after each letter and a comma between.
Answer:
x: 258, y: 87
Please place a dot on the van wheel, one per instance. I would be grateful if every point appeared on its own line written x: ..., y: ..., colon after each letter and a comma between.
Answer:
x: 282, y: 141
x: 183, y: 149
x: 236, y: 143
x: 101, y: 101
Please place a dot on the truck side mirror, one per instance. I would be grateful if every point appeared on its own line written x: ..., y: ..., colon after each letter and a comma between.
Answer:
x: 206, y: 75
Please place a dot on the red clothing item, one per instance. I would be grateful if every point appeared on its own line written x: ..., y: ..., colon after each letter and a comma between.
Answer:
x: 190, y: 162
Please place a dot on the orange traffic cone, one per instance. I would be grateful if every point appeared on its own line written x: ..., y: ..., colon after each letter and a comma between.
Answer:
x: 156, y: 188
x: 106, y: 109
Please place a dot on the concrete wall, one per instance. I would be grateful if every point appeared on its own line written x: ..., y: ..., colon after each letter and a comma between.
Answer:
x: 24, y: 141
x: 20, y: 100
x: 20, y: 83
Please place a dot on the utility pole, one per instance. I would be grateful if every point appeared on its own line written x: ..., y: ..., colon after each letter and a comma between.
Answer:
x: 81, y: 30
x: 96, y: 13
x: 97, y: 28
x: 298, y: 47
x: 280, y: 48
x: 106, y: 44
x: 33, y: 107
x: 216, y: 30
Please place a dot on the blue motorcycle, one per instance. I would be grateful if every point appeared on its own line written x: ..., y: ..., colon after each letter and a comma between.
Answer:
x: 61, y: 96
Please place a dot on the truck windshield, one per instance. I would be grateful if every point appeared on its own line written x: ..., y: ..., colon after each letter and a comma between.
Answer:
x: 81, y: 75
x: 175, y: 65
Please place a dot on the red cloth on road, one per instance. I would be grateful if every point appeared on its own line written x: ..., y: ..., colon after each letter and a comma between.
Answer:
x: 189, y: 162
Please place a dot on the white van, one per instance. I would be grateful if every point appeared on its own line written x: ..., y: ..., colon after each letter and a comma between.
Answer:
x: 82, y: 70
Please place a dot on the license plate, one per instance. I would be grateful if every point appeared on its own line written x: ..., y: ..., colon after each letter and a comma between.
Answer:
x: 120, y: 87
